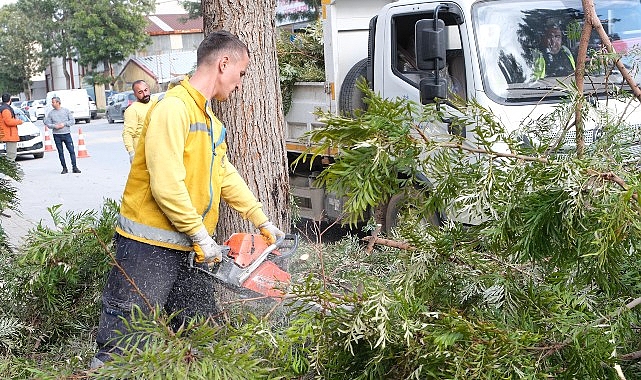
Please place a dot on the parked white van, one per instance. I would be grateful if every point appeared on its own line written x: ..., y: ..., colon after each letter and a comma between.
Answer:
x: 76, y: 101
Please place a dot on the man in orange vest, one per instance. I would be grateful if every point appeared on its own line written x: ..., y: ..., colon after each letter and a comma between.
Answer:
x: 9, y: 127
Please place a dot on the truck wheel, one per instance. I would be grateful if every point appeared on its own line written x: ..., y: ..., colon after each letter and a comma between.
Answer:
x: 351, y: 98
x: 396, y: 205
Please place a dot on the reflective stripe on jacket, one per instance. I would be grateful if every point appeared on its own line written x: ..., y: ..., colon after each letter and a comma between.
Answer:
x: 174, y: 187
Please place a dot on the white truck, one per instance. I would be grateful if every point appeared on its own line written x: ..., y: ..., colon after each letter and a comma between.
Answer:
x: 487, y: 46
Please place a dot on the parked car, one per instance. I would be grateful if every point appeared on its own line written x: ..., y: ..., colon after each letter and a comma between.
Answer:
x: 117, y: 105
x: 93, y: 110
x: 109, y: 94
x: 39, y: 104
x: 25, y: 107
x: 35, y: 109
x: 31, y: 141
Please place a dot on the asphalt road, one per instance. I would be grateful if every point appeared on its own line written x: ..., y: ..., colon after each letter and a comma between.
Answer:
x: 103, y: 176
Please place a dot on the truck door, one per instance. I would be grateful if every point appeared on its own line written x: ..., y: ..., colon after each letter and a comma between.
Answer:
x: 396, y: 72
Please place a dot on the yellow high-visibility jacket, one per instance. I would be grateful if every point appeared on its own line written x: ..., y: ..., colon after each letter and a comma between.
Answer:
x: 134, y: 117
x: 175, y: 183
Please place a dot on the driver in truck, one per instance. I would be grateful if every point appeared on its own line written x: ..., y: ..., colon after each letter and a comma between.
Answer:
x: 554, y: 59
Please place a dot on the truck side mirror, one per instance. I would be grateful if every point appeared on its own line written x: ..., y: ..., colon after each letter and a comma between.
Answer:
x: 431, y: 88
x: 430, y: 44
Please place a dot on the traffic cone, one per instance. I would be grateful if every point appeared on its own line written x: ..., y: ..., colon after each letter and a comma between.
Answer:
x: 49, y: 147
x: 82, y: 149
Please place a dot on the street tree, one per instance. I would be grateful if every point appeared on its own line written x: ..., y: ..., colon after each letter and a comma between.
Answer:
x: 52, y: 33
x: 21, y: 58
x: 106, y: 32
x: 93, y: 33
x: 253, y: 114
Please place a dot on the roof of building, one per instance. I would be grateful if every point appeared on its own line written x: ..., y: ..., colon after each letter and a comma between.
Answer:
x: 172, y: 24
x: 165, y: 67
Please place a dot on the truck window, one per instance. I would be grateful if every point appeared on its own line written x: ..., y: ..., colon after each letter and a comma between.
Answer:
x: 404, y: 54
x: 526, y: 47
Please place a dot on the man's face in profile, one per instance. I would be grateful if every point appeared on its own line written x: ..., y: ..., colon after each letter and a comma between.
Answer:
x: 553, y: 38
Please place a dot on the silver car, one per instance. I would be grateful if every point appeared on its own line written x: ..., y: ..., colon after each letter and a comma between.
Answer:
x: 117, y: 105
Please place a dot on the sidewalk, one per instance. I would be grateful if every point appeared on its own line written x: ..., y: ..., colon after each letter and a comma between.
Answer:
x: 16, y: 226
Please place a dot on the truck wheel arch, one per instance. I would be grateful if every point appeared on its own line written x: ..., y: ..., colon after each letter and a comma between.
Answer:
x: 350, y: 97
x: 397, y: 202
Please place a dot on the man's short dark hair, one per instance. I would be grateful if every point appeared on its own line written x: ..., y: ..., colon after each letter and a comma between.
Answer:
x: 216, y: 42
x: 6, y: 98
x: 137, y: 82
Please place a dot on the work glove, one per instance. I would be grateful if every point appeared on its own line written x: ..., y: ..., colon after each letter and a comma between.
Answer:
x: 206, y: 249
x: 271, y: 232
x: 131, y: 156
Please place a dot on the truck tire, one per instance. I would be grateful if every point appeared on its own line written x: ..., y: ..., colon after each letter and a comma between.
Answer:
x: 350, y: 97
x: 395, y: 207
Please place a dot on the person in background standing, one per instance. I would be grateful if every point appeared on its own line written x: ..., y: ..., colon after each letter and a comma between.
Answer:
x: 60, y: 120
x: 9, y: 127
x: 135, y: 116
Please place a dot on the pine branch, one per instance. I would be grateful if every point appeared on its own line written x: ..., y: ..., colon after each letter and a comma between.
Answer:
x: 609, y: 176
x: 387, y: 242
x: 629, y: 306
x: 460, y: 146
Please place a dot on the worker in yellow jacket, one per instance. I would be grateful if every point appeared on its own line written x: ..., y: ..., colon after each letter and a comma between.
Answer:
x: 178, y: 176
x: 134, y: 116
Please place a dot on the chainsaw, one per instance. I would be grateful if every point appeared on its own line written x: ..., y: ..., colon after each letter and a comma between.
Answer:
x: 250, y: 266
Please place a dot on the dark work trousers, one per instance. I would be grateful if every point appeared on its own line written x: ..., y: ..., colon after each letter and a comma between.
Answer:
x: 164, y: 278
x: 68, y: 141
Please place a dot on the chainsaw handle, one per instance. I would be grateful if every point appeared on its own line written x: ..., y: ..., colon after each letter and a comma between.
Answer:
x: 192, y: 257
x: 291, y: 248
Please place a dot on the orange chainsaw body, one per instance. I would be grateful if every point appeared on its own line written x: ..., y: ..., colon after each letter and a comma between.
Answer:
x: 268, y: 278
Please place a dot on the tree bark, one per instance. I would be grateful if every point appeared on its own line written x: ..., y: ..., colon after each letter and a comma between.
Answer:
x: 253, y: 115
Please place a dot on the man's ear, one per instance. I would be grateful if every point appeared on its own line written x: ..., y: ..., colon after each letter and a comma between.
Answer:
x: 223, y: 62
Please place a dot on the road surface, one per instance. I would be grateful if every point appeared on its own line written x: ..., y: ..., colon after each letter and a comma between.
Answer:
x: 104, y: 174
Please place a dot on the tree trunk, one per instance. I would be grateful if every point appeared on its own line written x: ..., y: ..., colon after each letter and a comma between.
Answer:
x: 253, y: 115
x: 66, y: 72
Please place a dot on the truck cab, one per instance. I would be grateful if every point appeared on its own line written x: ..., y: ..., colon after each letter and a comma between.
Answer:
x: 511, y: 57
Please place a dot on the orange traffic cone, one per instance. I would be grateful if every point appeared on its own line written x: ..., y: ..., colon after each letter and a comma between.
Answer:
x: 82, y: 149
x: 48, y: 144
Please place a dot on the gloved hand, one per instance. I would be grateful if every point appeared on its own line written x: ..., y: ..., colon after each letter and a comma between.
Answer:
x: 206, y: 248
x: 271, y: 232
x: 131, y: 156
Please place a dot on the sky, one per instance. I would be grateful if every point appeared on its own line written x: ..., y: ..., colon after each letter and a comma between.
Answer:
x: 162, y: 6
